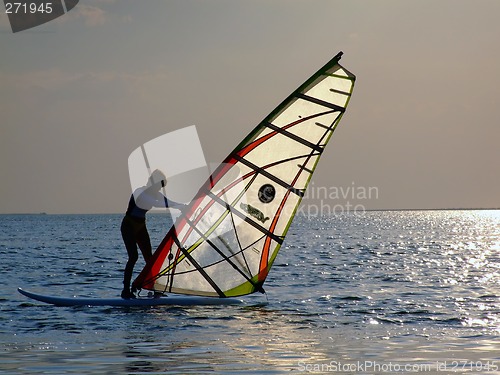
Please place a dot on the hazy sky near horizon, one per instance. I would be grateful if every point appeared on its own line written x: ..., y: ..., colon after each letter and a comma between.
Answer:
x: 79, y: 94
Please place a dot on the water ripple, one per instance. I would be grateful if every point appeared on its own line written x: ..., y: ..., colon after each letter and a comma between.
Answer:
x: 387, y: 286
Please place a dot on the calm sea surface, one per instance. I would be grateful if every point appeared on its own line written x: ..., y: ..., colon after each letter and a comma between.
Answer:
x: 383, y: 292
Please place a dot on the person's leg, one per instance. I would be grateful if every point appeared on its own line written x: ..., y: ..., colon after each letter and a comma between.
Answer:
x: 129, y: 239
x: 144, y: 243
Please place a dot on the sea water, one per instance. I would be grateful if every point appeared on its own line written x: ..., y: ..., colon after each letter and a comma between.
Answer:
x: 375, y: 292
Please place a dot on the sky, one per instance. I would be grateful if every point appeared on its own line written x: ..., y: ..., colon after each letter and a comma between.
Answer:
x: 80, y: 93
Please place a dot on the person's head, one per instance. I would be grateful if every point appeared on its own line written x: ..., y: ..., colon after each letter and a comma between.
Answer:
x: 157, y: 178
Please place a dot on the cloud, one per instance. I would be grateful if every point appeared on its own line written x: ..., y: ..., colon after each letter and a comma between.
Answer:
x: 92, y: 15
x: 40, y: 88
x: 45, y: 79
x: 99, y: 13
x: 55, y: 78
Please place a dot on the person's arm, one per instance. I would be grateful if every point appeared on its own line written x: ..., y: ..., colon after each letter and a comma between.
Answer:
x: 173, y: 204
x: 162, y: 201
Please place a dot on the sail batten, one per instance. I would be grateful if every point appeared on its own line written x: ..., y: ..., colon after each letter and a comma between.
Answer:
x: 262, y: 171
x: 293, y: 136
x: 320, y: 102
x: 226, y: 242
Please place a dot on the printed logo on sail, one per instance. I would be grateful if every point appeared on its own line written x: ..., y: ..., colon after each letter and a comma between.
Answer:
x: 255, y: 212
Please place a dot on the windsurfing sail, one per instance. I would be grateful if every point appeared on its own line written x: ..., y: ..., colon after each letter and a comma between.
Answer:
x: 226, y: 241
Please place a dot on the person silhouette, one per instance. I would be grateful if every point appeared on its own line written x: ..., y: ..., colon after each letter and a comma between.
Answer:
x: 133, y: 227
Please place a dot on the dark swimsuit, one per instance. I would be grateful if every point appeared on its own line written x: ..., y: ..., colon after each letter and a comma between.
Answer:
x: 134, y: 232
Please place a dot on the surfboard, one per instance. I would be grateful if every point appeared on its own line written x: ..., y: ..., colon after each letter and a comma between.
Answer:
x: 170, y: 300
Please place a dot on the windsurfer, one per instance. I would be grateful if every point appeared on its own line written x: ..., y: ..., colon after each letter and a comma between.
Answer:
x: 133, y: 227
